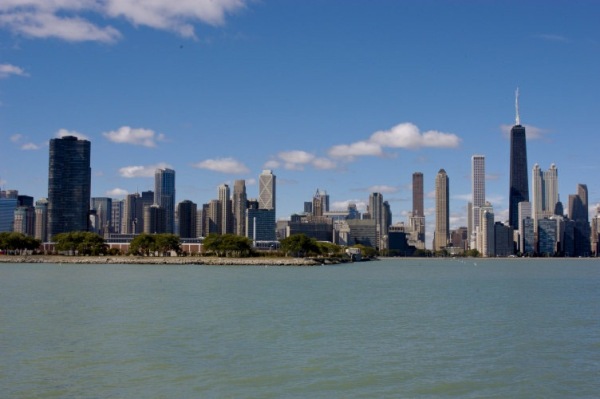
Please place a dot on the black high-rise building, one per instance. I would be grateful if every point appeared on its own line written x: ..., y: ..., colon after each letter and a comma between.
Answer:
x: 69, y: 185
x: 519, y: 184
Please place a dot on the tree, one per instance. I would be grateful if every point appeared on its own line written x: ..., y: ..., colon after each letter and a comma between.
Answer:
x: 299, y: 245
x: 17, y: 242
x: 367, y: 252
x: 164, y: 243
x: 329, y: 248
x: 142, y: 244
x: 228, y: 245
x: 81, y: 242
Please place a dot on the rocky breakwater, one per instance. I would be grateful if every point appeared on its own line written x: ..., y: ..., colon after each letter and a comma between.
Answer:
x: 152, y: 260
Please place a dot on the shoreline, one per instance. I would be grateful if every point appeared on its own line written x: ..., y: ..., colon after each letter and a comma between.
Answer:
x: 167, y: 260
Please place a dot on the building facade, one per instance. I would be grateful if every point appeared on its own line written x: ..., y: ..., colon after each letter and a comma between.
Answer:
x: 442, y: 211
x: 164, y: 195
x: 69, y: 185
x: 519, y: 185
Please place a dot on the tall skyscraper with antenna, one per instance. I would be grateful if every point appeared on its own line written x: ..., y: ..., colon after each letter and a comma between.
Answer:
x: 519, y: 185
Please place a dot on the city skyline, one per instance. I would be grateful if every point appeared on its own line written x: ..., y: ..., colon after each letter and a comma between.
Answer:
x: 346, y: 99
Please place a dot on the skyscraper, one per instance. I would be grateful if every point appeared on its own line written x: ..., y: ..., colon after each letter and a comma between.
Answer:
x: 377, y: 214
x: 417, y: 192
x: 69, y: 185
x: 187, y: 213
x: 266, y: 190
x: 478, y: 186
x: 164, y: 195
x: 544, y: 192
x: 226, y: 214
x: 442, y: 211
x: 240, y: 200
x: 103, y: 208
x: 519, y: 186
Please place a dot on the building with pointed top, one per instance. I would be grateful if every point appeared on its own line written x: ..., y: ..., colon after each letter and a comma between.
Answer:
x: 519, y: 185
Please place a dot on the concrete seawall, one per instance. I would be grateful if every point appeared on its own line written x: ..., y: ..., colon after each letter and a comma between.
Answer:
x: 149, y: 260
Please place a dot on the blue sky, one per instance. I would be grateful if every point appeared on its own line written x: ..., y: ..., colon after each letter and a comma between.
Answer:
x: 348, y: 96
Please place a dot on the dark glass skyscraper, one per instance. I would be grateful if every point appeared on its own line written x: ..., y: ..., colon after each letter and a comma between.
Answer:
x: 519, y: 185
x: 164, y: 195
x: 69, y: 185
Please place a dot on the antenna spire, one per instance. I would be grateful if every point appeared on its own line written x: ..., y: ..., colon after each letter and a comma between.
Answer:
x: 518, y: 118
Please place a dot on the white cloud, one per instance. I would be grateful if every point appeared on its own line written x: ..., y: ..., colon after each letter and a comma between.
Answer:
x: 64, y: 132
x: 403, y: 135
x: 117, y: 192
x: 30, y: 146
x: 134, y: 136
x: 68, y: 19
x: 360, y: 148
x: 251, y: 182
x: 141, y: 171
x: 383, y: 189
x: 272, y: 164
x: 223, y: 165
x: 407, y: 135
x: 296, y: 157
x: 7, y: 70
x: 15, y: 138
x: 323, y: 163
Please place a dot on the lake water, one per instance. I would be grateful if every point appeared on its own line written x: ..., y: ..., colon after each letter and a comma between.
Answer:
x: 407, y: 328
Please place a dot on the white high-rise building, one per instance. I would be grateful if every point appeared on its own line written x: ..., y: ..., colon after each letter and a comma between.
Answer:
x: 266, y: 190
x: 478, y: 186
x: 442, y: 211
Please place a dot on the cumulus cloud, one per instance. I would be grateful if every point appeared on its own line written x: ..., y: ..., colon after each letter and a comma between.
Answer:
x: 7, y: 70
x: 134, y: 136
x: 360, y: 148
x: 141, y: 171
x: 64, y: 132
x: 70, y: 19
x: 223, y: 165
x: 298, y: 160
x: 403, y: 135
x: 117, y: 192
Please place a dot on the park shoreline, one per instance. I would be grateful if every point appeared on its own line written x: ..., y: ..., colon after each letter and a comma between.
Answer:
x: 169, y: 260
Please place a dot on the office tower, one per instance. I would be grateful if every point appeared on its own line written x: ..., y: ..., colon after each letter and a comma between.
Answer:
x: 478, y: 187
x: 155, y: 220
x: 103, y: 208
x: 503, y: 239
x: 320, y: 203
x: 418, y: 208
x: 546, y: 237
x: 226, y: 214
x: 259, y: 225
x: 519, y: 186
x: 485, y: 231
x: 11, y: 194
x: 527, y: 247
x: 544, y: 192
x: 442, y: 211
x: 596, y: 233
x: 186, y: 215
x: 378, y: 214
x: 213, y: 217
x: 578, y: 212
x: 164, y: 195
x: 24, y: 220
x: 266, y: 190
x: 25, y: 200
x: 240, y: 203
x: 7, y: 213
x: 524, y: 213
x: 116, y: 216
x: 41, y: 220
x: 308, y: 207
x: 69, y: 185
x: 132, y: 216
